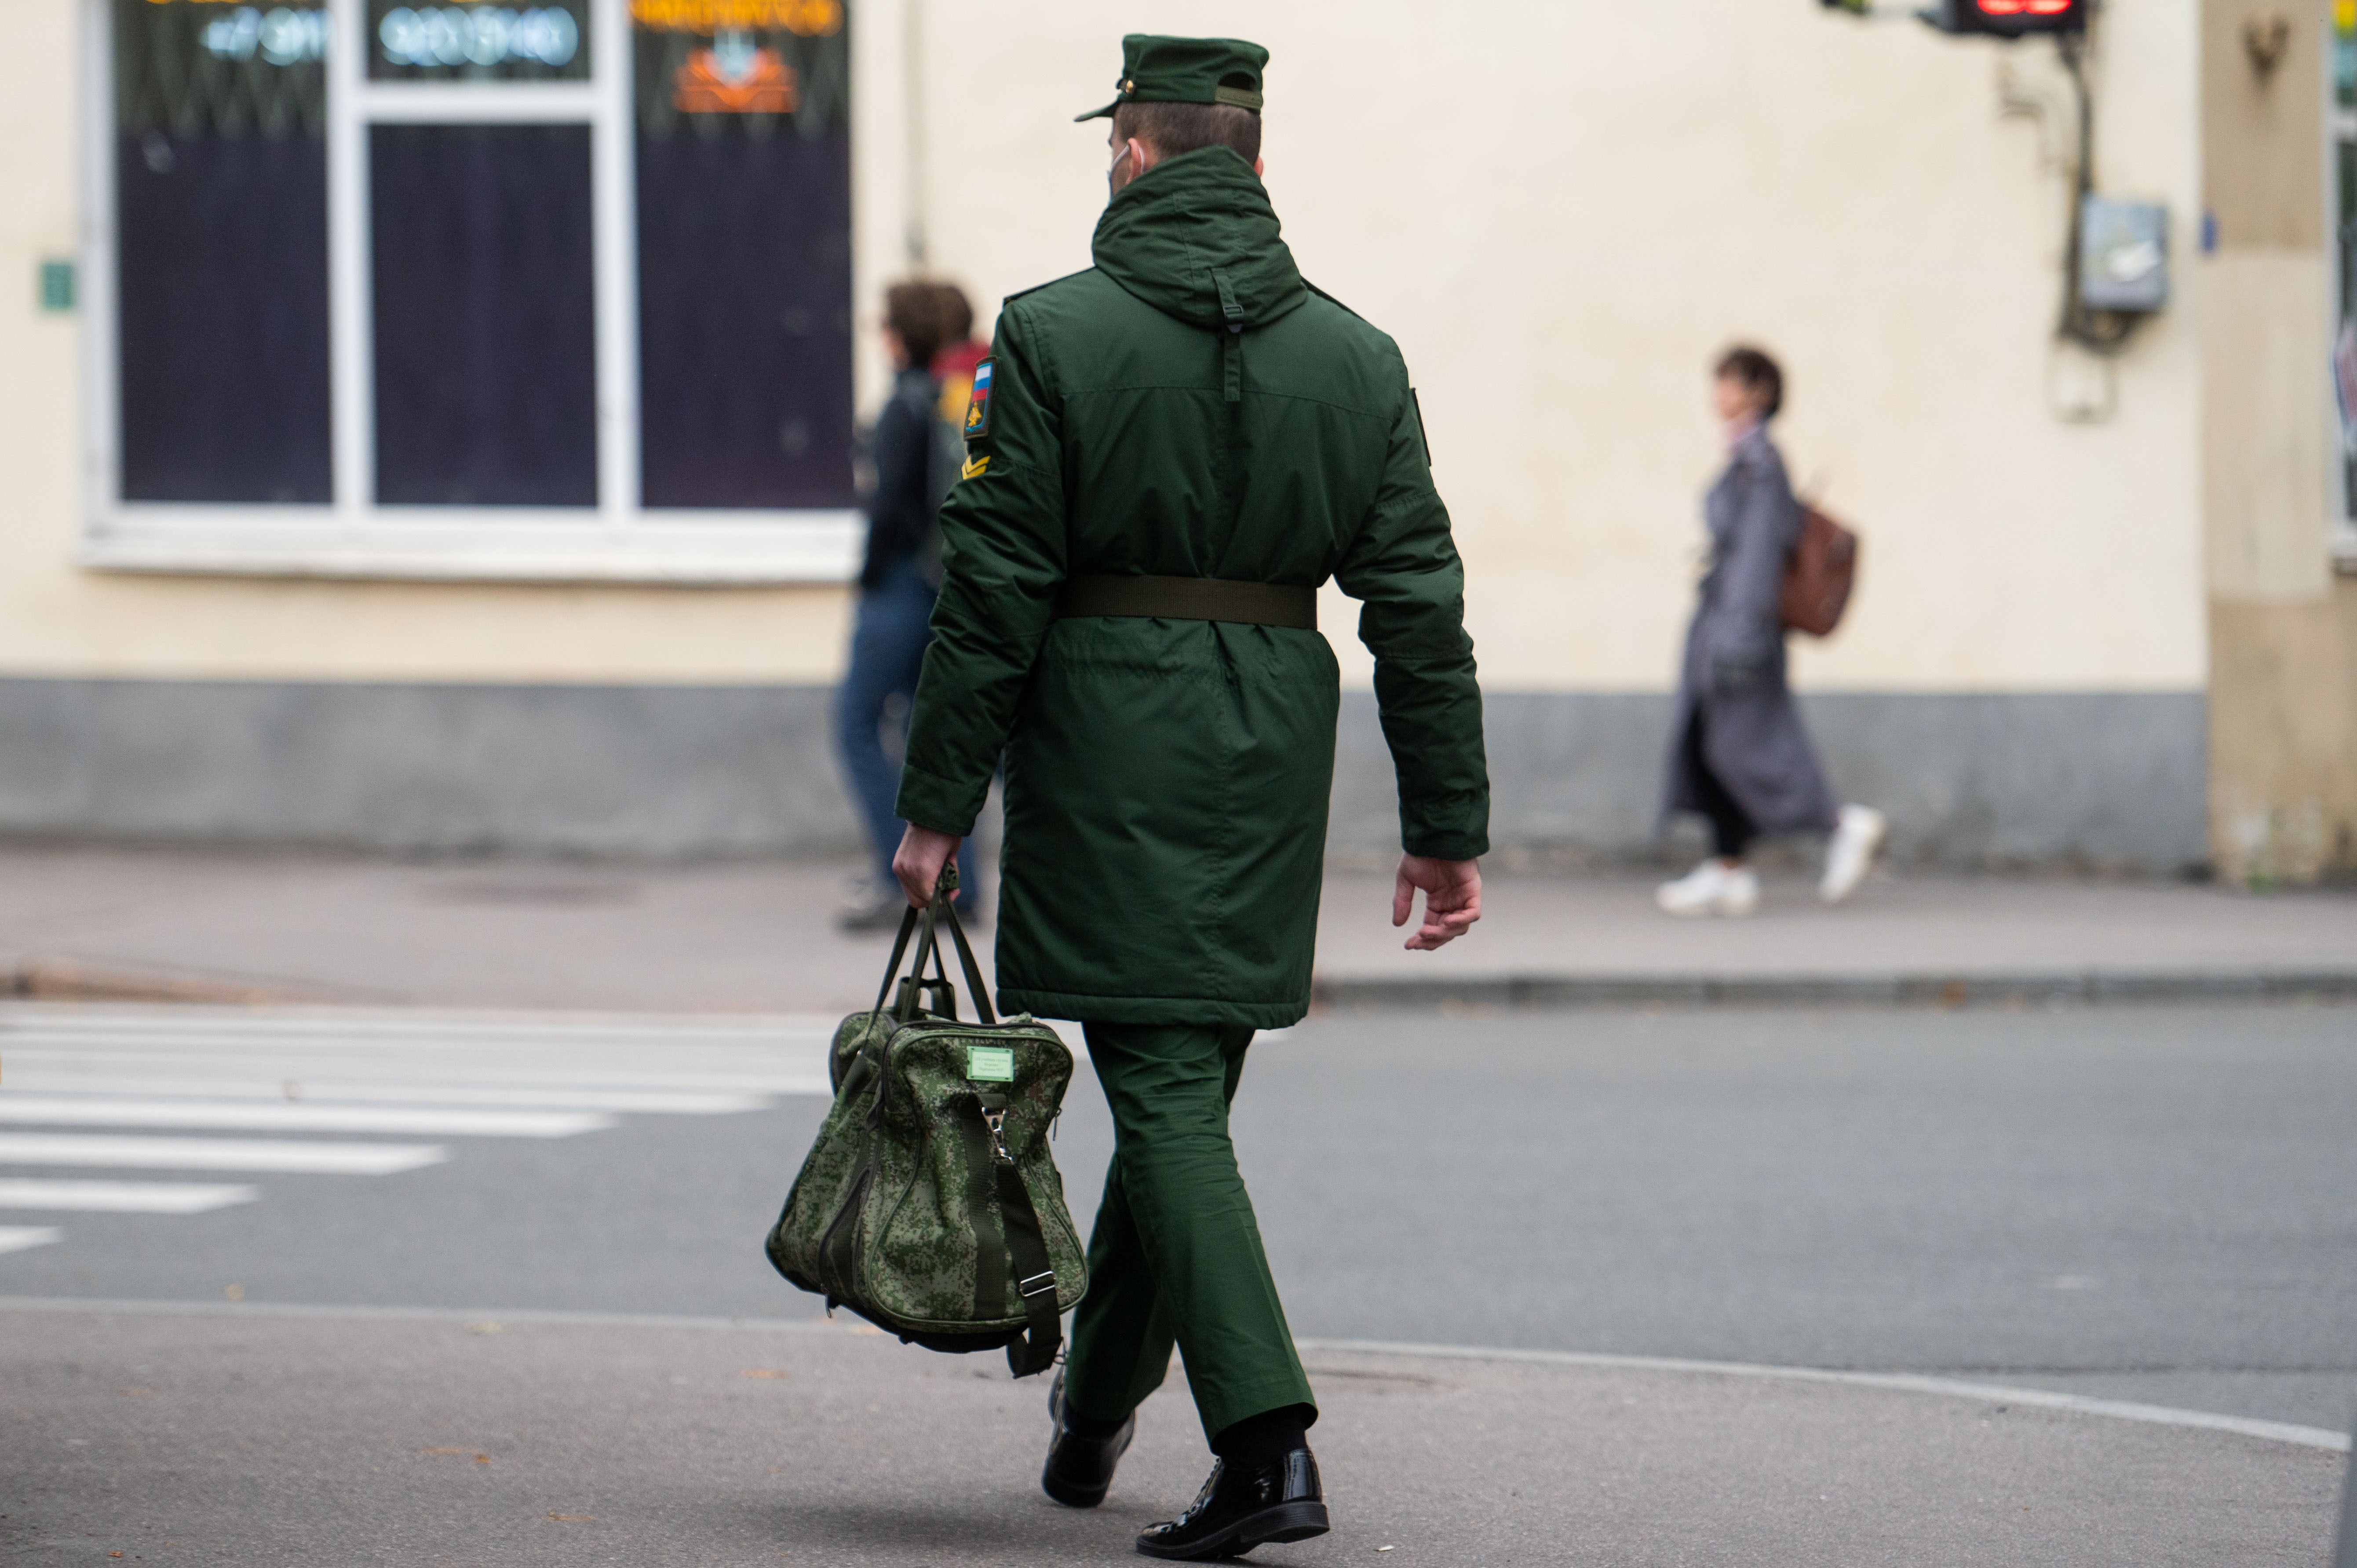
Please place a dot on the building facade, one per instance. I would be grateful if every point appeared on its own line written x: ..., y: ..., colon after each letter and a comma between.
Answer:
x: 429, y: 427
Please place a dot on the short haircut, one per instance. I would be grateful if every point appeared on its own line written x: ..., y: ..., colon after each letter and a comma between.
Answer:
x: 913, y: 308
x: 1756, y: 371
x: 956, y: 314
x: 1174, y: 128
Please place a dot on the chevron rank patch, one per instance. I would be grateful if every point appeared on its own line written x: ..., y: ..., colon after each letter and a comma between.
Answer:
x: 975, y: 467
x: 977, y: 404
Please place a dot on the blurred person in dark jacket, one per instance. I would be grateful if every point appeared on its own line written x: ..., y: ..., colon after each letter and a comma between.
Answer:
x: 1738, y: 752
x: 915, y: 454
x: 959, y: 356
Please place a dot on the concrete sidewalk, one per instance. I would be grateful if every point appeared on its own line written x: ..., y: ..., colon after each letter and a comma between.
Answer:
x: 760, y: 937
x: 1552, y: 940
x: 358, y: 1438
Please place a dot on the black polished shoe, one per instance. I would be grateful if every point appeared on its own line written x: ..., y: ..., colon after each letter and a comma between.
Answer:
x: 1240, y: 1508
x: 1080, y: 1469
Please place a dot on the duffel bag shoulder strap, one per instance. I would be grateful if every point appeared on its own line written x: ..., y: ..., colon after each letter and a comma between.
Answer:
x: 1025, y: 1257
x: 1035, y: 1277
x: 1026, y: 1247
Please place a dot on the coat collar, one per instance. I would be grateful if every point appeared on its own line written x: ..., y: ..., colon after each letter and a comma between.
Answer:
x: 1196, y: 238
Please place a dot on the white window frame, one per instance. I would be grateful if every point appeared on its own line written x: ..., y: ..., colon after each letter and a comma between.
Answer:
x: 616, y: 541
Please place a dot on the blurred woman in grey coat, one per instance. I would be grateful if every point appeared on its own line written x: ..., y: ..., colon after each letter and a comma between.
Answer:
x: 1738, y: 752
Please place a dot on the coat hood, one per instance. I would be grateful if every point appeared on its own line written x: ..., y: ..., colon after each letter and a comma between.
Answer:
x: 1196, y: 238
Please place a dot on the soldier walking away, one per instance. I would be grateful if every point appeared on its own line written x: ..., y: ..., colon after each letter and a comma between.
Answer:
x: 1738, y: 752
x: 915, y: 454
x: 1168, y: 453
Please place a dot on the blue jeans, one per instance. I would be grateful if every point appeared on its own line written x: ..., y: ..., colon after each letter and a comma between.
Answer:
x: 888, y: 651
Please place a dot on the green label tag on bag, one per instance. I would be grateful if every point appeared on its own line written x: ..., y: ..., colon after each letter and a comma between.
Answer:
x: 990, y: 1064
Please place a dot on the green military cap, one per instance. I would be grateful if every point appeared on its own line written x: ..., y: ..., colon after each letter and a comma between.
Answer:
x: 1186, y: 70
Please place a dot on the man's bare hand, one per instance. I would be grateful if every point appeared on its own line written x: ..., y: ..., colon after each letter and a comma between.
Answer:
x: 1452, y: 898
x: 917, y: 862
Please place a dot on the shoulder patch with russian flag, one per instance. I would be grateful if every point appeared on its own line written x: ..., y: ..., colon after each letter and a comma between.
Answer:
x: 977, y: 404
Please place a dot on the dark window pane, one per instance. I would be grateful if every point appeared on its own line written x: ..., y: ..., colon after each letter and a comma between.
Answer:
x: 2344, y: 345
x: 2344, y: 342
x: 221, y: 223
x: 534, y: 42
x: 744, y: 252
x: 485, y: 368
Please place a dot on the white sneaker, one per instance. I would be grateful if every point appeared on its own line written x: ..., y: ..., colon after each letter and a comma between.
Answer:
x: 1713, y: 887
x: 1858, y: 834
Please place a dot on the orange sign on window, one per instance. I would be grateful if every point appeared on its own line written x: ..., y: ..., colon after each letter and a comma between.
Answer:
x: 734, y: 78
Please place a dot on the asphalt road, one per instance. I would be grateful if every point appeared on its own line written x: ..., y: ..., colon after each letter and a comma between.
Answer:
x: 258, y: 1440
x: 2158, y: 1205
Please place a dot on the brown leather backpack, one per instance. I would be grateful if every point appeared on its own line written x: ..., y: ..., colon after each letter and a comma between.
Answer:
x: 1819, y: 577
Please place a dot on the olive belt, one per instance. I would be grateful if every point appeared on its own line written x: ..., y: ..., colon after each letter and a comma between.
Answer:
x: 1191, y: 598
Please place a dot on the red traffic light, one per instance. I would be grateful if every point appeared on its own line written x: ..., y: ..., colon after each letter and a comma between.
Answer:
x: 2008, y: 19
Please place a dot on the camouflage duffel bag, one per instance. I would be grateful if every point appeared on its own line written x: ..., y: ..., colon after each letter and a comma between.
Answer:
x: 930, y: 1204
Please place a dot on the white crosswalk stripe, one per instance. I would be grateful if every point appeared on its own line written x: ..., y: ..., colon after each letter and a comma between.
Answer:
x: 216, y: 1153
x: 313, y: 1078
x: 120, y: 1197
x: 35, y: 1081
x: 285, y: 1116
x: 114, y: 1083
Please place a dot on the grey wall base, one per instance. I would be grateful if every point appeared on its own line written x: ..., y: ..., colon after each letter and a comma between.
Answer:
x: 2109, y: 781
x: 651, y: 770
x: 2114, y: 779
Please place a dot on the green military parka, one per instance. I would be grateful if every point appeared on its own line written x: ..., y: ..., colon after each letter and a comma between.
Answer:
x: 1189, y: 408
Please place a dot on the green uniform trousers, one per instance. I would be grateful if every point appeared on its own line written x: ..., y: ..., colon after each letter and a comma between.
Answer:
x: 1176, y: 1255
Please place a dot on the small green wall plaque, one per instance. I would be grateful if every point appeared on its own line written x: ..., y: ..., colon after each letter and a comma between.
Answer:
x: 56, y: 286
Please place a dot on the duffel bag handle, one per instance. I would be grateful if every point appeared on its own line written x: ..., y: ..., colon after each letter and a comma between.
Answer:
x: 892, y: 964
x: 919, y: 922
x: 922, y: 924
x: 975, y: 987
